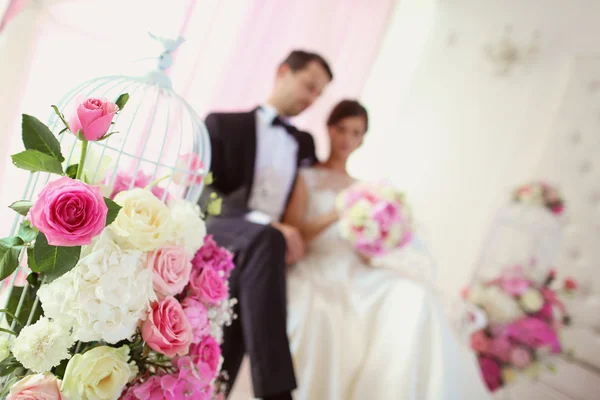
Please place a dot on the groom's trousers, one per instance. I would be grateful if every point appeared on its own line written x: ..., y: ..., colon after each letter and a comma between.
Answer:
x: 258, y: 282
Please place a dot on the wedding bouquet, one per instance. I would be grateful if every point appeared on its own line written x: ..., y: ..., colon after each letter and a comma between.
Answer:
x: 374, y: 218
x: 126, y: 297
x: 525, y: 319
x: 542, y: 194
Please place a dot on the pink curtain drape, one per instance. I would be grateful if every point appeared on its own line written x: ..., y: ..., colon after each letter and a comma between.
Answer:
x: 346, y: 32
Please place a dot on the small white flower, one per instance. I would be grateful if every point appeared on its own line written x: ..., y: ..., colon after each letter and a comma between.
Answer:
x: 43, y: 345
x: 188, y: 227
x: 105, y: 296
x: 4, y: 348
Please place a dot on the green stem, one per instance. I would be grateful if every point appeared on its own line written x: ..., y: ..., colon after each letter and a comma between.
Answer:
x: 84, y: 147
x: 156, y: 182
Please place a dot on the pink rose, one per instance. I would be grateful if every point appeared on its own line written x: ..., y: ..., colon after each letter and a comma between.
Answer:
x: 69, y: 212
x: 480, y: 342
x: 167, y: 330
x: 520, y: 357
x: 187, y: 383
x: 189, y: 170
x: 93, y: 117
x: 500, y: 348
x: 36, y: 387
x: 207, y: 352
x: 125, y: 182
x: 197, y: 316
x: 533, y: 333
x: 207, y: 286
x: 514, y: 286
x: 171, y: 268
x: 492, y: 375
x: 213, y: 256
x: 149, y: 390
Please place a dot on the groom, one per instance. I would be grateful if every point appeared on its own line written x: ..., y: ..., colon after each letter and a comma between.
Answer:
x: 255, y: 160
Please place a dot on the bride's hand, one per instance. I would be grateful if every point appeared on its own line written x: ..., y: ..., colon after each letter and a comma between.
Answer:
x: 365, y: 258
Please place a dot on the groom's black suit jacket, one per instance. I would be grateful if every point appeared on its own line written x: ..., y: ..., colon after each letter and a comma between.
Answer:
x: 233, y: 149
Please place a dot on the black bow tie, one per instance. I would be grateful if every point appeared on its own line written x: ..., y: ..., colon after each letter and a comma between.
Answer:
x: 278, y: 122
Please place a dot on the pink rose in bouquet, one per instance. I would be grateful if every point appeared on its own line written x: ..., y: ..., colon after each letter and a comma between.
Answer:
x: 189, y: 382
x: 492, y: 374
x: 480, y: 342
x: 520, y: 357
x: 189, y: 170
x: 36, y: 387
x: 500, y: 348
x: 125, y: 182
x: 93, y: 117
x: 171, y: 268
x: 207, y: 286
x: 197, y: 315
x: 533, y: 333
x: 207, y: 352
x: 213, y: 256
x: 69, y: 212
x: 167, y: 329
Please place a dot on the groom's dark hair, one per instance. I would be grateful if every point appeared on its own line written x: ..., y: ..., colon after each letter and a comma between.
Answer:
x: 299, y: 59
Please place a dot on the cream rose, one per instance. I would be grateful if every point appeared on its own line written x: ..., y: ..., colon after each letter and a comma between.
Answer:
x: 499, y: 306
x: 144, y: 223
x: 359, y: 212
x: 532, y: 300
x: 99, y: 374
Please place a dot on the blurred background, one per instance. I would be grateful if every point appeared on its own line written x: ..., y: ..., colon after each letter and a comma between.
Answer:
x: 467, y: 100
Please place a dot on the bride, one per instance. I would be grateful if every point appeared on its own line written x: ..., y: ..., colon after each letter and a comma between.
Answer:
x: 358, y: 332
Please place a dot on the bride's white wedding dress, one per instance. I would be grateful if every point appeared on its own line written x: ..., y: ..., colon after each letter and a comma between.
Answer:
x: 358, y: 332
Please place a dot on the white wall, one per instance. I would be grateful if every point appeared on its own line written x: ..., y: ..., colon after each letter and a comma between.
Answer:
x: 458, y: 137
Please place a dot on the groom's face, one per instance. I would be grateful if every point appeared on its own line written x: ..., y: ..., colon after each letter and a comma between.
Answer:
x: 299, y: 89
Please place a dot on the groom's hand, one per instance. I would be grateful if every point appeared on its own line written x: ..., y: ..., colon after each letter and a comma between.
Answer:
x: 293, y: 240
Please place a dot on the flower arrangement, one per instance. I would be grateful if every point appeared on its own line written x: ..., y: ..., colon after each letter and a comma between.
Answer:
x: 542, y: 194
x: 126, y: 296
x: 374, y: 218
x: 525, y: 319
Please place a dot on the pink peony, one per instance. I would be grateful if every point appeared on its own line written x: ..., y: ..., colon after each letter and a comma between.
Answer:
x: 189, y: 170
x: 197, y: 315
x: 207, y: 352
x: 125, y: 182
x: 480, y: 342
x: 520, y: 357
x: 500, y: 348
x: 69, y: 212
x: 533, y: 333
x: 492, y: 375
x: 93, y: 117
x: 213, y: 256
x: 36, y: 387
x: 207, y: 286
x: 171, y: 268
x: 167, y: 329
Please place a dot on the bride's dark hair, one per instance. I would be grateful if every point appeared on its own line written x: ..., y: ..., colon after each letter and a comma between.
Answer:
x: 348, y: 108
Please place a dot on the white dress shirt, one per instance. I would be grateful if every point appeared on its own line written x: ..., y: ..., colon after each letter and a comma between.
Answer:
x: 274, y: 168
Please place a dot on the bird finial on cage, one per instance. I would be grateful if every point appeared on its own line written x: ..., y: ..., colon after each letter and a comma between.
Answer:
x: 165, y: 60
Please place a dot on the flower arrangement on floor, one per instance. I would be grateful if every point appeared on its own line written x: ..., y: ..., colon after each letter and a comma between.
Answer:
x: 542, y: 194
x: 525, y: 319
x: 374, y: 218
x: 126, y: 295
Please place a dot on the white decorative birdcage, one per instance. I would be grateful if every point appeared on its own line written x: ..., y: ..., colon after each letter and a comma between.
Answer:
x: 154, y: 132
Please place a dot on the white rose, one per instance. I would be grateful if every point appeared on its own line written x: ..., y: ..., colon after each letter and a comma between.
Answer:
x: 532, y: 300
x: 359, y: 212
x: 346, y: 230
x: 499, y: 306
x: 105, y: 296
x: 476, y: 294
x: 395, y: 235
x: 188, y: 229
x: 371, y: 231
x: 144, y: 223
x: 43, y: 345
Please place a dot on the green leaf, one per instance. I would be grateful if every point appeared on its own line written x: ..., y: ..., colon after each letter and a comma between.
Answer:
x: 33, y: 279
x: 8, y: 385
x: 63, y: 131
x: 113, y: 210
x: 37, y: 136
x: 31, y: 259
x: 8, y: 365
x: 71, y: 171
x: 62, y: 118
x: 9, y: 255
x: 122, y: 100
x: 26, y: 307
x: 106, y: 136
x: 208, y: 179
x: 35, y: 161
x: 27, y: 232
x: 21, y: 206
x: 7, y: 331
x: 52, y: 260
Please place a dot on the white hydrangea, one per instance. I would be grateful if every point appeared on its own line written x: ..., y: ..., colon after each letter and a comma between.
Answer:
x: 219, y: 316
x: 189, y: 229
x: 105, y: 295
x: 4, y: 348
x: 43, y: 345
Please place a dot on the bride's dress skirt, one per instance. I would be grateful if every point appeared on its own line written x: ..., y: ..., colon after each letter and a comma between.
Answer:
x: 362, y: 333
